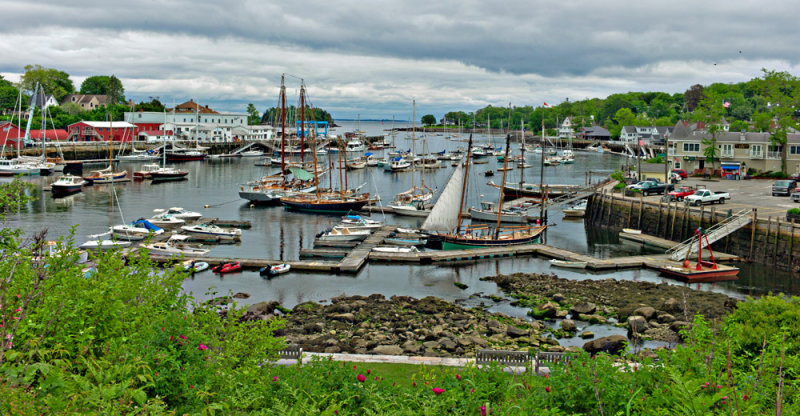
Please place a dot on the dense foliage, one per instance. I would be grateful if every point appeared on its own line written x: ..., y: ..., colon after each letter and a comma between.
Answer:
x: 272, y: 115
x: 104, y: 85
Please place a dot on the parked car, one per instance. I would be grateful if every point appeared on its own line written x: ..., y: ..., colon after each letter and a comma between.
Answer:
x: 680, y: 193
x: 796, y: 195
x: 653, y: 187
x: 675, y: 177
x: 637, y: 185
x: 681, y: 172
x: 784, y: 187
x: 705, y: 196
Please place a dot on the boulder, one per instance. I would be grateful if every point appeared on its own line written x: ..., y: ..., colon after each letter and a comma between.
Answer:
x: 561, y: 313
x: 388, y: 350
x: 678, y: 325
x: 344, y: 317
x: 557, y: 297
x: 495, y: 327
x: 671, y: 305
x: 261, y: 308
x: 430, y: 344
x: 464, y: 341
x: 586, y: 308
x: 448, y: 344
x: 545, y: 310
x: 613, y: 344
x: 637, y: 324
x: 648, y: 312
x: 665, y: 318
x: 569, y: 325
x: 587, y: 335
x: 515, y: 332
x: 411, y: 347
x: 241, y: 295
x: 478, y: 341
x: 333, y: 350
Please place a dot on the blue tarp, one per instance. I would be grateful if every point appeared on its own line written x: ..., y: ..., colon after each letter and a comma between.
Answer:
x: 368, y: 154
x: 146, y: 224
x: 396, y: 158
x: 353, y: 217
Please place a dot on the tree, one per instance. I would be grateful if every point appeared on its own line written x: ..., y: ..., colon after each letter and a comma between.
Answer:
x: 104, y: 85
x: 710, y: 151
x: 51, y: 80
x: 254, y: 117
x: 428, y: 119
x: 153, y: 105
x: 693, y: 96
x: 782, y: 90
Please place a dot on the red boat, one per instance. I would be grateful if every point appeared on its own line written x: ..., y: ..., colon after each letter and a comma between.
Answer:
x: 703, y: 271
x: 227, y: 268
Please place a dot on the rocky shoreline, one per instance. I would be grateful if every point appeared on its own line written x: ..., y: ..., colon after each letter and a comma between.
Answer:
x: 402, y: 325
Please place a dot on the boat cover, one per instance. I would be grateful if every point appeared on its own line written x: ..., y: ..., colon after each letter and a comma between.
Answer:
x: 145, y: 224
x: 301, y: 174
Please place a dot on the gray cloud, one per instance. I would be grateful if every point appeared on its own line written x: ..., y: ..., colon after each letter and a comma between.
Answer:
x: 372, y: 57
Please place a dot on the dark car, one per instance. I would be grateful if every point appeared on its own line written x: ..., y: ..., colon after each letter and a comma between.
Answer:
x: 681, y: 172
x: 650, y: 187
x: 783, y: 187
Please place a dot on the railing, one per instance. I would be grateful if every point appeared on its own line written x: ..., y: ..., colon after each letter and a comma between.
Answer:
x: 713, y: 233
x: 773, y: 155
x: 756, y: 155
x: 726, y: 154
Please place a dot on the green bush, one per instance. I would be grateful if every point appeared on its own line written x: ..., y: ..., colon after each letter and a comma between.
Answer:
x: 793, y: 211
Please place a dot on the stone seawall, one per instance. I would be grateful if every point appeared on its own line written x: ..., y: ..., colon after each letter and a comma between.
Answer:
x: 771, y: 241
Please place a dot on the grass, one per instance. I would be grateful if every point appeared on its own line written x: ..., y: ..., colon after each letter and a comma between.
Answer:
x: 404, y: 375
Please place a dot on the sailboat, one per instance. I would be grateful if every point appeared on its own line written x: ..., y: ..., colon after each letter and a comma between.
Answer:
x: 165, y: 174
x: 27, y: 165
x: 108, y: 175
x: 488, y: 210
x: 447, y: 215
x: 414, y: 202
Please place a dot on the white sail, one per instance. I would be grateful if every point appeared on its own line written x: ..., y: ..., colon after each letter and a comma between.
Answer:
x: 444, y: 216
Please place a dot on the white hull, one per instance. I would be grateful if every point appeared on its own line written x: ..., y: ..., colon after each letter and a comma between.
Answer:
x: 410, y: 211
x: 395, y: 249
x: 568, y: 264
x: 482, y: 215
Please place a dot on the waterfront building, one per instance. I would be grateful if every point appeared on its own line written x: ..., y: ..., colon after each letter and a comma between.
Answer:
x: 650, y: 135
x: 736, y: 151
x: 11, y: 134
x: 91, y: 131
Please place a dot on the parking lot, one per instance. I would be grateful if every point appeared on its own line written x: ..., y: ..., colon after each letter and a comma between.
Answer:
x: 751, y: 193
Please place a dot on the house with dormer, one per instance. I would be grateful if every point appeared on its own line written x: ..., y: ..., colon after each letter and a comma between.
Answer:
x: 649, y: 135
x: 42, y: 100
x: 86, y: 102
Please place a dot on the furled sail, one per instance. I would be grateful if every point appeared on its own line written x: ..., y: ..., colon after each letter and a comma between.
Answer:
x: 444, y: 215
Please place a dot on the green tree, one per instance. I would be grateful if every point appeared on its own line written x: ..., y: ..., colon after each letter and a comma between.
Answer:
x: 782, y: 90
x: 52, y: 81
x: 9, y: 95
x: 104, y: 85
x: 428, y: 119
x: 693, y: 96
x: 154, y: 105
x: 254, y: 117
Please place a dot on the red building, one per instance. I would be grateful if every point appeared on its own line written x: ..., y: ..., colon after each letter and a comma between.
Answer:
x: 10, y: 134
x: 90, y: 131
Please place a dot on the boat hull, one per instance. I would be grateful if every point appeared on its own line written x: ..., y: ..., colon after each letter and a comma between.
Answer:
x: 721, y: 273
x: 165, y: 177
x: 64, y: 190
x: 481, y: 215
x: 184, y: 158
x: 338, y: 207
x: 460, y: 243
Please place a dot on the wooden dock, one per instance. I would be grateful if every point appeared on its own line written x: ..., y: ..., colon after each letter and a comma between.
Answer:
x: 354, y: 260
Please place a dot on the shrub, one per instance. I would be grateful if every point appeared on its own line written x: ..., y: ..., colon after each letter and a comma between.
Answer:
x: 793, y: 211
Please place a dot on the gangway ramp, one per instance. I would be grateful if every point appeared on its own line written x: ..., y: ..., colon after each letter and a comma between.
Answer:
x: 714, y: 233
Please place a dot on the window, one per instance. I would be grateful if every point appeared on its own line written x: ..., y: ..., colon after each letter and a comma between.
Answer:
x: 727, y: 150
x: 677, y: 165
x: 691, y: 147
x: 794, y: 150
x: 741, y: 146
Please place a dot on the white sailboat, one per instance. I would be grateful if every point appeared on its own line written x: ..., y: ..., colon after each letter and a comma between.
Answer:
x: 415, y: 201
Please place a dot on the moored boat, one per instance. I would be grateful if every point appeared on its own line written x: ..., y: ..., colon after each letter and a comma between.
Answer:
x: 212, y: 231
x: 175, y: 247
x: 568, y: 264
x: 67, y: 185
x: 395, y: 249
x: 107, y: 176
x: 227, y: 267
x: 274, y: 270
x: 345, y: 234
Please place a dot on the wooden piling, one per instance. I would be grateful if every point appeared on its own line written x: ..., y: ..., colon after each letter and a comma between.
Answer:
x: 641, y: 207
x: 766, y: 239
x: 777, y: 236
x: 753, y: 232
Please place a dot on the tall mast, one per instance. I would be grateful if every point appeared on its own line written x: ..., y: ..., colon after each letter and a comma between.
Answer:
x: 339, y: 143
x: 302, y: 121
x: 502, y: 186
x: 541, y: 173
x: 314, y: 155
x: 413, y: 139
x: 283, y: 124
x: 464, y: 184
x: 30, y: 118
x: 522, y: 152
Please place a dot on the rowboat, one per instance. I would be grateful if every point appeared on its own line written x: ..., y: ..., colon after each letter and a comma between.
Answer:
x: 194, y: 266
x: 568, y: 264
x: 394, y: 249
x: 631, y: 231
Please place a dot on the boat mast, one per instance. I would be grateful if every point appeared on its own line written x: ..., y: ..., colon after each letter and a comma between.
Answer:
x: 413, y: 142
x: 30, y: 119
x: 302, y: 122
x: 313, y: 154
x: 339, y: 143
x: 500, y: 203
x: 282, y: 99
x: 541, y: 174
x: 522, y: 152
x: 464, y: 185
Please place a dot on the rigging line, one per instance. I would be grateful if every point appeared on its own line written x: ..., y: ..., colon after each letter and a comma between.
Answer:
x: 221, y: 203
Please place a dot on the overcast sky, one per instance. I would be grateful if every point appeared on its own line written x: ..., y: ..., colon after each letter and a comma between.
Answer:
x: 373, y: 57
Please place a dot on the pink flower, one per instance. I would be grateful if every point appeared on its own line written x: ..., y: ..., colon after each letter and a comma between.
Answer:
x: 745, y: 397
x: 724, y: 397
x: 547, y: 389
x: 438, y: 390
x: 18, y: 296
x: 414, y: 384
x: 202, y: 347
x: 361, y: 378
x: 156, y: 373
x: 458, y: 377
x: 354, y: 367
x: 274, y: 378
x: 162, y: 328
x: 376, y: 378
x: 191, y: 387
x: 18, y: 310
x: 369, y: 371
x: 484, y: 409
x: 472, y: 390
x: 182, y: 336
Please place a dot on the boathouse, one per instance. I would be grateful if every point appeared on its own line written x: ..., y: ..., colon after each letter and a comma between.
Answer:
x: 93, y: 131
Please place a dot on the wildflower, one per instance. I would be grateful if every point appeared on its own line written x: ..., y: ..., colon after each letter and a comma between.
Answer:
x: 8, y: 336
x: 191, y: 387
x: 745, y: 397
x: 376, y: 378
x: 547, y: 376
x: 438, y: 390
x: 162, y: 328
x: 724, y: 397
x: 18, y: 296
x: 547, y: 389
x: 336, y: 412
x: 458, y: 377
x: 472, y: 390
x: 703, y: 386
x: 18, y: 310
x: 156, y: 373
x: 414, y: 384
x: 393, y: 383
x: 354, y: 367
x: 182, y: 336
x: 484, y: 411
x: 369, y: 371
x: 361, y: 378
x: 202, y: 347
x: 170, y: 337
x: 719, y: 386
x: 274, y: 378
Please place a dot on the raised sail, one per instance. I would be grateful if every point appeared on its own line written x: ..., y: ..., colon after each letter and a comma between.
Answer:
x: 444, y: 216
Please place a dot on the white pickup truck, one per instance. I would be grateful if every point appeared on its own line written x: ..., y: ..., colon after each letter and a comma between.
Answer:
x: 705, y: 196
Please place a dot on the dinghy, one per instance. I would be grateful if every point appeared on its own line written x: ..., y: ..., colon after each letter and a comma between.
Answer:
x: 274, y: 270
x: 568, y: 264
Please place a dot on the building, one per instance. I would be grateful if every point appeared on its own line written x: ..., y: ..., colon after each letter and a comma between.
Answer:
x: 735, y: 151
x: 565, y: 131
x: 594, y: 133
x: 42, y: 100
x: 191, y: 121
x: 91, y: 131
x: 86, y: 102
x: 650, y: 135
x: 11, y: 135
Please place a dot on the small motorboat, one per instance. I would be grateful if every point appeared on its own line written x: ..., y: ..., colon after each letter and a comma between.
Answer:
x: 405, y: 241
x: 194, y: 266
x: 575, y: 211
x: 395, y: 249
x: 137, y: 230
x: 104, y: 244
x: 345, y: 234
x: 166, y: 220
x: 704, y: 270
x: 631, y: 231
x: 212, y: 230
x: 274, y: 270
x: 181, y: 213
x: 67, y: 185
x: 227, y: 268
x: 175, y: 247
x: 357, y: 222
x: 568, y: 264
